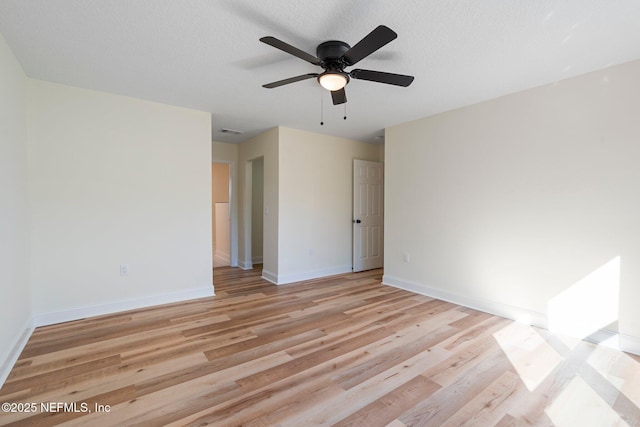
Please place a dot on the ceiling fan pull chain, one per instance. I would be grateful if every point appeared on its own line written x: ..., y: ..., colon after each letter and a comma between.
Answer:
x: 321, y: 109
x: 345, y: 111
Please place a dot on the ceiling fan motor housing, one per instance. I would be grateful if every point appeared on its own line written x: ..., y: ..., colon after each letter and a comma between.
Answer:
x: 330, y: 54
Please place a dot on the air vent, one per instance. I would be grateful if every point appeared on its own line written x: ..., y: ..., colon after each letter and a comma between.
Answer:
x: 231, y: 131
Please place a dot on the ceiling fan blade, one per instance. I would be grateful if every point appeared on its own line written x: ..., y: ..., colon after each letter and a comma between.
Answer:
x: 373, y: 41
x: 339, y: 96
x: 291, y: 50
x: 290, y: 80
x: 382, y: 77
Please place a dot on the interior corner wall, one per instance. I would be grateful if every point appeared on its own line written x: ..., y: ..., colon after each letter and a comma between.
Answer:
x: 510, y: 202
x: 264, y: 145
x: 316, y: 203
x: 15, y: 294
x: 228, y: 153
x: 116, y: 181
x: 380, y: 152
x: 257, y: 210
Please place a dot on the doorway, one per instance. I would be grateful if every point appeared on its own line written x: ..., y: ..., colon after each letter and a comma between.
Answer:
x: 368, y: 215
x: 221, y: 214
x: 257, y: 208
x: 254, y: 223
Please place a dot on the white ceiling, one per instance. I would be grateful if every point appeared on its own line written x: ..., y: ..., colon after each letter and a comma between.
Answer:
x: 205, y: 54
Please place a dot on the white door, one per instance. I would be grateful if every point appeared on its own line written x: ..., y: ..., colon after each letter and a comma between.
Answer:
x: 368, y: 219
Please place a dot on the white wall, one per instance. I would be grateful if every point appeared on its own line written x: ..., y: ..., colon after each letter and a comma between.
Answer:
x: 506, y: 204
x: 264, y: 145
x: 15, y: 295
x: 316, y: 203
x: 116, y: 180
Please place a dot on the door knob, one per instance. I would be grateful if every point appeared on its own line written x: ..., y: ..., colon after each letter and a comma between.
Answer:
x: 357, y: 221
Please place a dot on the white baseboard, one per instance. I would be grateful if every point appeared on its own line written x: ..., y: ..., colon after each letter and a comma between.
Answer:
x: 629, y: 343
x: 245, y: 265
x: 269, y: 276
x: 15, y: 348
x: 604, y: 336
x: 492, y: 307
x: 50, y: 318
x: 248, y: 265
x: 283, y: 279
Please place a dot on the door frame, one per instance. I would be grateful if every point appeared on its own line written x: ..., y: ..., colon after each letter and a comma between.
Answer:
x: 356, y: 228
x: 233, y: 212
x: 247, y: 256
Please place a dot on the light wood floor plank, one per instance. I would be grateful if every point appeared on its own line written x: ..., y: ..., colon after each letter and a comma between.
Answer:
x: 339, y: 350
x: 392, y: 404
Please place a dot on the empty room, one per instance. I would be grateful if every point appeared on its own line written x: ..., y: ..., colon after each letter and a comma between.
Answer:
x: 296, y: 213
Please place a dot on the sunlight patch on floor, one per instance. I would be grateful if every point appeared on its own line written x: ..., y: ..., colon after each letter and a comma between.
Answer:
x: 622, y: 371
x: 579, y: 405
x: 531, y: 356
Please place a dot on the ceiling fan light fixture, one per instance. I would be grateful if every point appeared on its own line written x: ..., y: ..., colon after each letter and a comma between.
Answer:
x: 334, y: 55
x: 332, y: 80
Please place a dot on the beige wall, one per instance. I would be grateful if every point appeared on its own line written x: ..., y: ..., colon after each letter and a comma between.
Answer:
x: 307, y: 206
x: 509, y: 203
x: 316, y: 203
x: 257, y: 210
x: 223, y: 152
x: 115, y: 180
x: 264, y: 145
x: 220, y: 182
x: 15, y: 293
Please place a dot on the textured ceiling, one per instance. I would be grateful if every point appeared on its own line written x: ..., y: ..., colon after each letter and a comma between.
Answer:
x: 205, y: 54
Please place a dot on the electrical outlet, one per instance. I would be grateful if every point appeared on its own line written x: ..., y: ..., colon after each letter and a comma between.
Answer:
x: 124, y: 269
x: 406, y: 257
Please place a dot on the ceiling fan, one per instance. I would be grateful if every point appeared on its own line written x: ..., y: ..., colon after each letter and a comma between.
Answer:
x: 334, y: 56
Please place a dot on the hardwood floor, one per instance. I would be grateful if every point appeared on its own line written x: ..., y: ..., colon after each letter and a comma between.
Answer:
x: 343, y: 350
